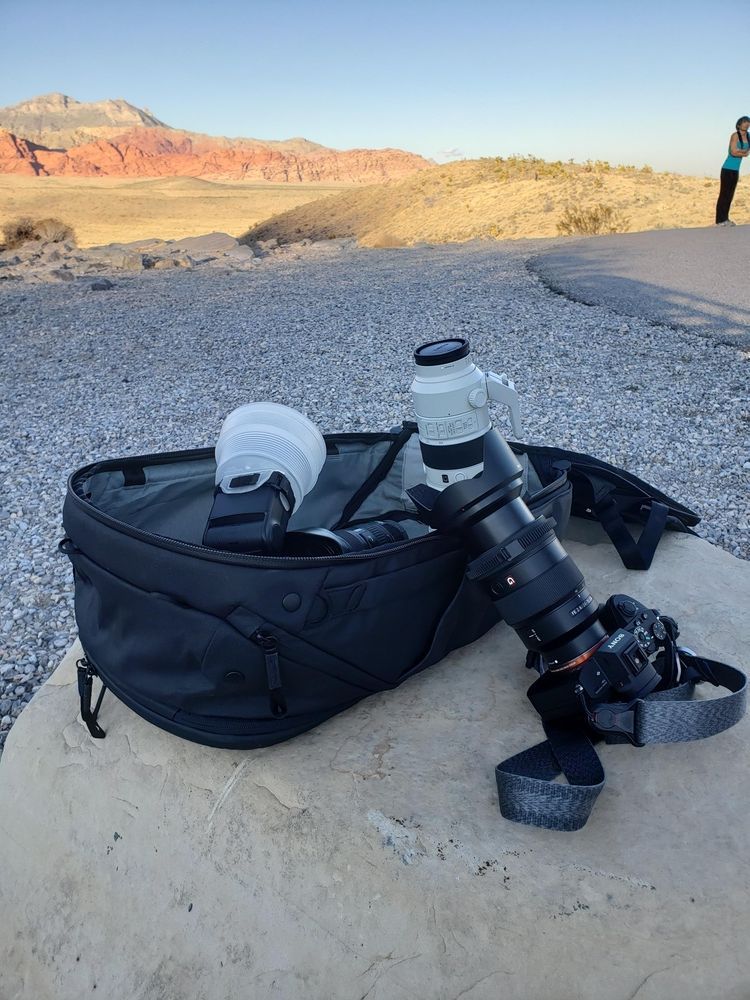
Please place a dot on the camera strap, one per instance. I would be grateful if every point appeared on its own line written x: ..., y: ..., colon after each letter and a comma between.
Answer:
x: 527, y: 789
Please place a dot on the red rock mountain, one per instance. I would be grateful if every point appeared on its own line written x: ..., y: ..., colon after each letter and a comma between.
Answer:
x: 156, y: 150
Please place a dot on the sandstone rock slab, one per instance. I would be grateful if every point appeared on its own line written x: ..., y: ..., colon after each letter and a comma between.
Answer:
x: 368, y: 857
x: 209, y: 244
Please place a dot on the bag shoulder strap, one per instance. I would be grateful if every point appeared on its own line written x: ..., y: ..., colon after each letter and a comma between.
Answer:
x: 615, y: 497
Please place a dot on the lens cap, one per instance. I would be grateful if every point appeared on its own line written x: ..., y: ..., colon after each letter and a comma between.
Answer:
x: 441, y: 352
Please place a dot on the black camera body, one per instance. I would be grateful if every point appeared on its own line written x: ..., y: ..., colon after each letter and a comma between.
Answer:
x: 622, y: 664
x: 627, y: 666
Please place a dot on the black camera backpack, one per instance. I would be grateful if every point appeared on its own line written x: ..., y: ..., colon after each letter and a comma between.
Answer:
x: 243, y: 651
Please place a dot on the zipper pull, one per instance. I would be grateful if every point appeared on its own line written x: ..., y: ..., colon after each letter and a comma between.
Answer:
x: 270, y: 647
x: 86, y: 674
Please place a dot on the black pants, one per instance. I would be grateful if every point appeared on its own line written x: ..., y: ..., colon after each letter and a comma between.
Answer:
x: 729, y: 180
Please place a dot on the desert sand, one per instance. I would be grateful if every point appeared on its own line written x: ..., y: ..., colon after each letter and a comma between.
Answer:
x: 491, y: 198
x: 105, y: 210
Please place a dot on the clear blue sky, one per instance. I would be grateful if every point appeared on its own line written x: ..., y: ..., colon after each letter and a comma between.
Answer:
x: 638, y: 82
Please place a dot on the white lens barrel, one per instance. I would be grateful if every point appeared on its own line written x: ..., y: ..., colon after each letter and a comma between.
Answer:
x: 450, y: 403
x: 261, y: 438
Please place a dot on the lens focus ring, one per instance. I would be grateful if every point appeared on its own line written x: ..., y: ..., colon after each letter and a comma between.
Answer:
x: 541, y: 593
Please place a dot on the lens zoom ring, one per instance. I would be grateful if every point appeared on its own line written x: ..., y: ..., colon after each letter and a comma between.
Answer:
x: 494, y: 560
x: 544, y: 592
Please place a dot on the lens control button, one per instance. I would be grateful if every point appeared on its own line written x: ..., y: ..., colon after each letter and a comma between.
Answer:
x: 478, y: 398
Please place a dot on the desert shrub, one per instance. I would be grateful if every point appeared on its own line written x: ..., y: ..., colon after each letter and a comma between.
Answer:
x: 54, y: 231
x: 592, y: 221
x: 17, y: 232
x: 44, y: 230
x: 597, y: 167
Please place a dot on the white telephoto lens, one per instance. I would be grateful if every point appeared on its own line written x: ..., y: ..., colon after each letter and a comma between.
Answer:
x: 450, y: 402
x: 263, y: 438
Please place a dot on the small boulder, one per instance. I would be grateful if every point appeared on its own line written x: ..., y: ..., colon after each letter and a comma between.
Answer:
x: 211, y: 243
x: 241, y: 253
x: 132, y: 262
x: 59, y: 274
x: 128, y: 260
x: 102, y: 285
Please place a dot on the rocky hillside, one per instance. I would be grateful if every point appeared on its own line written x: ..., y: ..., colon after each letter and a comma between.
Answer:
x: 156, y: 152
x: 57, y: 136
x: 501, y: 199
x: 58, y: 121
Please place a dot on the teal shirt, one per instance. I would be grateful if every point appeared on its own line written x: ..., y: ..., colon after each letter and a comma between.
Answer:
x: 734, y: 162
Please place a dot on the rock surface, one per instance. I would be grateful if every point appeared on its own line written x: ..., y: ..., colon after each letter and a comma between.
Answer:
x: 166, y: 152
x: 36, y: 262
x: 368, y: 857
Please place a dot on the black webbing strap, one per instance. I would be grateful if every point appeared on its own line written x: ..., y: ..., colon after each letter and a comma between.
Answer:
x: 634, y: 554
x: 615, y: 498
x: 376, y: 477
x: 86, y: 673
x: 527, y: 790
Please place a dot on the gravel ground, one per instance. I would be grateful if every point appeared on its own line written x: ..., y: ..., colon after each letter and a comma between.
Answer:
x: 157, y: 362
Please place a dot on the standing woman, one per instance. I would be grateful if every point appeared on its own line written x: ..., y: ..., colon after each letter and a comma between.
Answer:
x: 739, y: 146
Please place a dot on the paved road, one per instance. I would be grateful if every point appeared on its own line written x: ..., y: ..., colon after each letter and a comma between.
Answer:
x: 695, y: 278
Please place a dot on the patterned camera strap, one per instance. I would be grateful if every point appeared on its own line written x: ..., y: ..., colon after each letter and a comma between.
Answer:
x: 526, y: 783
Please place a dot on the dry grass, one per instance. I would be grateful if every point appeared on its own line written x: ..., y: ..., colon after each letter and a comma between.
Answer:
x: 105, y: 210
x: 503, y: 199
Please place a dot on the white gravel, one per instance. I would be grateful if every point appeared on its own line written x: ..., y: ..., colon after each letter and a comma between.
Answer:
x: 156, y: 362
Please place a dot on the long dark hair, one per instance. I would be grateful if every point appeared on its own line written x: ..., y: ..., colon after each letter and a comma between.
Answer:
x: 741, y: 121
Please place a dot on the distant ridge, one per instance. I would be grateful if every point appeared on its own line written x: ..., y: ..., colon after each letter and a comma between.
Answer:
x: 56, y: 135
x: 59, y: 121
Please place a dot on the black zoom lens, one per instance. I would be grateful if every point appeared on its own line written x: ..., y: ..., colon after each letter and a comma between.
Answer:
x: 369, y: 536
x: 322, y: 542
x: 541, y: 593
x: 538, y: 588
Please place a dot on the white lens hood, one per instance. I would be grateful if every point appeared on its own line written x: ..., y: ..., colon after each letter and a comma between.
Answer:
x: 261, y: 438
